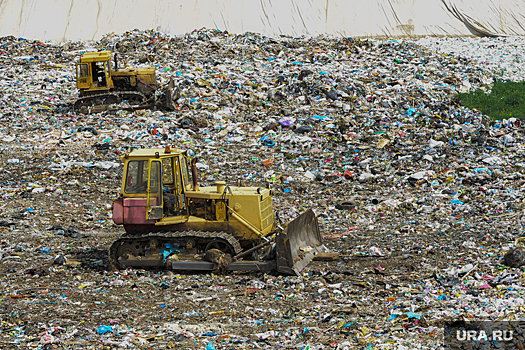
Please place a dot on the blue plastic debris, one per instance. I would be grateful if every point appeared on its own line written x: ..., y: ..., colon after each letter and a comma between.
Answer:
x: 413, y: 315
x: 410, y: 111
x: 319, y: 117
x: 167, y: 251
x: 104, y: 329
x: 210, y: 346
x: 269, y: 143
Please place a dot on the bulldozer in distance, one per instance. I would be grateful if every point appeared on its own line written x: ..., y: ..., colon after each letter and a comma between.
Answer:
x: 172, y: 223
x: 102, y: 85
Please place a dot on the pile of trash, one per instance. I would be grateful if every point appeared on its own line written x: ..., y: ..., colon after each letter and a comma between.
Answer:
x: 420, y: 196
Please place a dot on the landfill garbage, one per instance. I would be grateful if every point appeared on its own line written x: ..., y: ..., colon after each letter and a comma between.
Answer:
x: 70, y: 233
x: 420, y: 197
x: 60, y: 260
x: 515, y: 258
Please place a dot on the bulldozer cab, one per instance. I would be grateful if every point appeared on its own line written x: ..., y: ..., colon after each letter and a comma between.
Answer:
x: 94, y: 71
x: 161, y: 181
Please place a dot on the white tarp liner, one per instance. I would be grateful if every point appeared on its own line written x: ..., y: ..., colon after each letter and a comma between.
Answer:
x: 90, y: 19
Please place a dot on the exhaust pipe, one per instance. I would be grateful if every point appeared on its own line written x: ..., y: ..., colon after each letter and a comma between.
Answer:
x: 220, y: 186
x: 194, y: 174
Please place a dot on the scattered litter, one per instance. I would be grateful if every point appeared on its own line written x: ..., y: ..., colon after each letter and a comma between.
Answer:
x: 418, y: 197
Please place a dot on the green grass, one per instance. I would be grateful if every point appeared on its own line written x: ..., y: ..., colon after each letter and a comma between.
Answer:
x: 506, y: 100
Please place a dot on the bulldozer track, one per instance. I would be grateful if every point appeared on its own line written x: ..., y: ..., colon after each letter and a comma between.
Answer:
x: 113, y: 249
x: 118, y: 95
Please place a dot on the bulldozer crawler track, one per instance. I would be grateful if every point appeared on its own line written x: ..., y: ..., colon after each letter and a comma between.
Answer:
x: 209, y: 235
x: 117, y: 95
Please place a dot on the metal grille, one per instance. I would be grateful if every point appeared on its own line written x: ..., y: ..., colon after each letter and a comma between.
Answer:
x: 266, y: 212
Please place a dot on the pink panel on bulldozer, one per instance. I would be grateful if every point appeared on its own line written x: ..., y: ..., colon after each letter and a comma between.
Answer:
x: 135, y: 210
x: 118, y: 212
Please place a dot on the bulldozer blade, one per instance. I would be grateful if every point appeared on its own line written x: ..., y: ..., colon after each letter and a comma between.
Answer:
x: 171, y: 94
x: 297, y: 246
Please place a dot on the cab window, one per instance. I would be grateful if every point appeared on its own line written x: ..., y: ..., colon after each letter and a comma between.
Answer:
x: 186, y: 172
x: 136, y: 176
x: 82, y: 70
x: 167, y: 171
x: 155, y: 178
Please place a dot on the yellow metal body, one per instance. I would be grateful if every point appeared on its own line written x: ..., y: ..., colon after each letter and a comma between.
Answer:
x: 136, y: 76
x: 245, y: 212
x: 95, y: 75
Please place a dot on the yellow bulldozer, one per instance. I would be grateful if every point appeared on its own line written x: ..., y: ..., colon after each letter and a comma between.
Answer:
x: 171, y: 222
x: 102, y: 84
